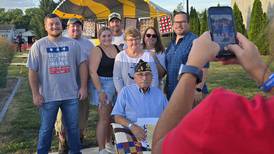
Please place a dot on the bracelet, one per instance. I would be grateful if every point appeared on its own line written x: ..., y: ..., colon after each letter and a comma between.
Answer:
x: 268, y: 84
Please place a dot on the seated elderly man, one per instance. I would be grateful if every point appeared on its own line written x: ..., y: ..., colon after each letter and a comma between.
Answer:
x: 139, y: 100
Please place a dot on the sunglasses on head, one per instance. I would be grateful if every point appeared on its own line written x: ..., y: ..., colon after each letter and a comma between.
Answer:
x: 151, y: 35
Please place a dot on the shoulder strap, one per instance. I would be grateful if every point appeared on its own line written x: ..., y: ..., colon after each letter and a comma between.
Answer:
x: 103, y: 52
x: 116, y: 48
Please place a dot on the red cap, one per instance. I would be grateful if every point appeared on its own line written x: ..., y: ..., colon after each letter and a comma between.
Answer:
x: 225, y: 123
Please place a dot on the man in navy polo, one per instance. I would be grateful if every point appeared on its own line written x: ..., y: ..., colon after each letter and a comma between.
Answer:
x: 177, y: 54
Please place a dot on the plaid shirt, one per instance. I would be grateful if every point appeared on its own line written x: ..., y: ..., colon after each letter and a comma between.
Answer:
x: 177, y: 54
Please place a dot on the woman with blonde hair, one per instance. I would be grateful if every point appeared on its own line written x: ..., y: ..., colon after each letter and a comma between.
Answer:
x: 127, y: 59
x: 103, y: 92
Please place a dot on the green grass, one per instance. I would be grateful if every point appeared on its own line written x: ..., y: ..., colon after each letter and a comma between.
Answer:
x: 19, y: 130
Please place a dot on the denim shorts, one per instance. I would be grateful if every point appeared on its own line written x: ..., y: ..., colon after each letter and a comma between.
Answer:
x: 108, y: 86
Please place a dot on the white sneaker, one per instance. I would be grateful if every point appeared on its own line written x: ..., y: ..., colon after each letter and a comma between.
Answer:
x: 103, y: 151
x: 110, y: 148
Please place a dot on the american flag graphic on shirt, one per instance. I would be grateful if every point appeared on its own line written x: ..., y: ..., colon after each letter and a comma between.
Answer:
x: 58, y: 62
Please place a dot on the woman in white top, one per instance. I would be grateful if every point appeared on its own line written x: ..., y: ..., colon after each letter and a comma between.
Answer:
x: 127, y: 59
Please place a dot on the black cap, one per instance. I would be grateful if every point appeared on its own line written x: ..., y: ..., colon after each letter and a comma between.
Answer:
x: 142, y: 66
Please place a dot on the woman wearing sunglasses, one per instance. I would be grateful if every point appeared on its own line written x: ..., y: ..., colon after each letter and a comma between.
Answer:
x: 152, y: 43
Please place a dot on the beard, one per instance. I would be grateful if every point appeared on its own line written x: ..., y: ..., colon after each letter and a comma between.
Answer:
x: 55, y: 34
x: 116, y: 29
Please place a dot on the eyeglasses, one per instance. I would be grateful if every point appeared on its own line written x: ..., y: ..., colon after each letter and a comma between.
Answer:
x: 151, y: 35
x: 132, y: 39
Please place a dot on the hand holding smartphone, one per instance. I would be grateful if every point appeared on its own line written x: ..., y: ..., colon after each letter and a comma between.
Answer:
x: 222, y: 29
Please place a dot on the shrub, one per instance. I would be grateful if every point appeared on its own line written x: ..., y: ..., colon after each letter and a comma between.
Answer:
x: 6, y: 55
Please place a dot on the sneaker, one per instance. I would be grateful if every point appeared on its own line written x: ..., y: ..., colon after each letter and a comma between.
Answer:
x: 110, y: 148
x: 103, y: 151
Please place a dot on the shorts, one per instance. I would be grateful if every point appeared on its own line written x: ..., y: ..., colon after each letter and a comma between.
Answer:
x: 108, y: 86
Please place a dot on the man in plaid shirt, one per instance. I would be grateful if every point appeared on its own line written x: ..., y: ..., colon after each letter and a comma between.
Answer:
x: 177, y: 54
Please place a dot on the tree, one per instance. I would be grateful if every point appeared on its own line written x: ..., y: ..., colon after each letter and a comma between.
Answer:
x: 240, y: 27
x: 262, y: 38
x: 14, y: 15
x: 37, y: 25
x: 2, y: 15
x: 47, y: 6
x: 30, y: 12
x: 180, y: 7
x: 204, y: 24
x: 194, y: 21
x: 257, y: 25
x: 37, y: 21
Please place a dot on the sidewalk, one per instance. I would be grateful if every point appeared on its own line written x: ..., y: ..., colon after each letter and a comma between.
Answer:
x: 93, y: 150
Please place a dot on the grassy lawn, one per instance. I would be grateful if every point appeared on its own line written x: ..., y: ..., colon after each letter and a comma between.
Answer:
x: 19, y: 130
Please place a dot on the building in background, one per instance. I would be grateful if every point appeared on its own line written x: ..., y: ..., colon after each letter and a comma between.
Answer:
x: 7, y: 31
x: 246, y: 7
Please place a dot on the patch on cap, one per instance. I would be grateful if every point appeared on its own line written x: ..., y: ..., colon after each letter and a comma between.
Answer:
x: 142, y: 66
x: 114, y: 15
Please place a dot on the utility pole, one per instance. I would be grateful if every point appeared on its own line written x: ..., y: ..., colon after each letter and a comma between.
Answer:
x: 187, y: 7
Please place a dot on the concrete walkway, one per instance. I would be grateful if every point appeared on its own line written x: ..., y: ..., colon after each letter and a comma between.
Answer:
x: 95, y: 151
x: 10, y: 98
x: 86, y: 151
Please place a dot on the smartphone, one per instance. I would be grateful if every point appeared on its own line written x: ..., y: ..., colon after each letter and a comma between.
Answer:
x: 222, y: 29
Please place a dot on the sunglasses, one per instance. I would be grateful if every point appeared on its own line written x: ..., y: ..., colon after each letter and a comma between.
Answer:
x: 151, y: 35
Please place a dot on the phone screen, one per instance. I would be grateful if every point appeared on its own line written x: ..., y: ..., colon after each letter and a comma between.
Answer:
x: 222, y: 29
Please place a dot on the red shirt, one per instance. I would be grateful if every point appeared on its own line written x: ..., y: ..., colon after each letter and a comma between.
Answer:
x: 225, y: 123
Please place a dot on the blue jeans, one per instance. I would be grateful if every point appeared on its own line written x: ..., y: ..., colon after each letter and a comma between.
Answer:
x: 48, y: 113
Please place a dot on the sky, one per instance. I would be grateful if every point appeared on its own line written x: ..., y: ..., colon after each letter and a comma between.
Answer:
x: 170, y: 5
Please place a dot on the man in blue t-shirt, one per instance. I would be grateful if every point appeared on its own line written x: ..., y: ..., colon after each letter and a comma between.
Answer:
x: 177, y: 54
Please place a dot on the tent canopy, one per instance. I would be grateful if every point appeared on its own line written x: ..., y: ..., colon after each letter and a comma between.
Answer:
x: 100, y: 9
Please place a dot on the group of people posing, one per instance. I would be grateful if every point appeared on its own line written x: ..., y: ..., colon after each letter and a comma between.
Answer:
x: 122, y: 76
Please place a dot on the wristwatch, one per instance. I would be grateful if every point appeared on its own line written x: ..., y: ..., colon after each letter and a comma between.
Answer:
x: 268, y: 84
x: 198, y: 73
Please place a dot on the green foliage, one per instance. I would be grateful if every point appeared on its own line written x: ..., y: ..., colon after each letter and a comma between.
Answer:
x: 180, y: 7
x: 257, y: 32
x: 47, y: 6
x: 240, y: 27
x: 37, y: 20
x: 263, y: 40
x: 37, y: 24
x: 33, y: 18
x: 6, y: 55
x: 10, y: 16
x: 203, y: 20
x: 194, y: 21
